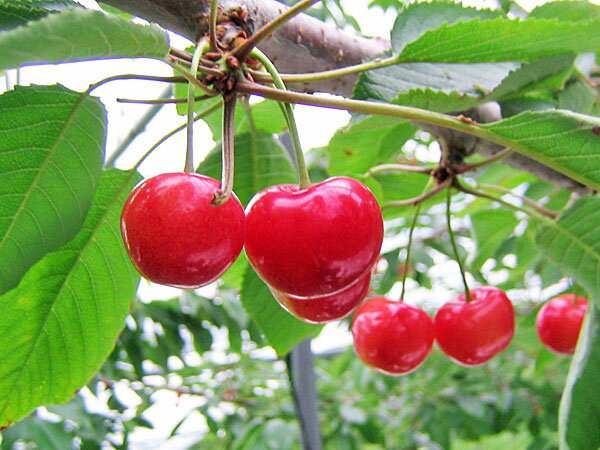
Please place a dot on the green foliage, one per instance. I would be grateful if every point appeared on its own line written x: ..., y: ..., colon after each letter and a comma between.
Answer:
x: 66, y: 284
x: 60, y: 323
x: 51, y: 154
x: 579, y: 406
x: 281, y: 330
x: 79, y: 34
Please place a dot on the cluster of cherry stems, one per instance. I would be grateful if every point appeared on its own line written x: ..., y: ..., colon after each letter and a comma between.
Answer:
x: 316, y: 248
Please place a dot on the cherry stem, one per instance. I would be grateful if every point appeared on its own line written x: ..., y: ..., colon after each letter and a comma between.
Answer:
x: 244, y: 49
x: 288, y: 113
x: 228, y: 151
x: 542, y: 209
x: 212, y: 27
x: 497, y: 157
x: 162, y: 101
x: 398, y: 167
x: 201, y: 48
x: 191, y: 78
x: 421, y: 198
x: 198, y: 116
x: 454, y: 246
x: 131, y: 76
x: 327, y: 74
x: 408, y: 248
x: 469, y: 190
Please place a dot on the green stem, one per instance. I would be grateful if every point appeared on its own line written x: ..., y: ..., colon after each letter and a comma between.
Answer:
x: 453, y: 241
x: 244, y: 50
x: 212, y: 33
x: 367, y: 107
x: 528, y: 201
x: 228, y: 152
x: 198, y: 116
x: 303, y: 178
x: 161, y: 101
x: 328, y: 74
x: 468, y: 190
x: 398, y: 167
x: 201, y: 48
x: 408, y: 247
x: 497, y: 157
x: 192, y: 79
x: 139, y: 127
x: 421, y: 198
x: 132, y: 76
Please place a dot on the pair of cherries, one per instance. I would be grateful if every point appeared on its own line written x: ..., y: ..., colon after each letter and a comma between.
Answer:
x: 314, y: 247
x: 395, y: 338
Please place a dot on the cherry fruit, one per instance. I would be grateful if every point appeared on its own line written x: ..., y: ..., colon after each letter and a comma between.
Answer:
x: 471, y: 333
x: 316, y: 241
x: 392, y: 337
x: 175, y: 236
x: 559, y: 321
x: 329, y: 307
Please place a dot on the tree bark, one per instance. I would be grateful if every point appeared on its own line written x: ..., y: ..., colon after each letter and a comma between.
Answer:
x: 306, y: 44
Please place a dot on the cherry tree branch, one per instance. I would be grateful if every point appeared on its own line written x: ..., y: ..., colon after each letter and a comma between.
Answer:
x: 307, y: 44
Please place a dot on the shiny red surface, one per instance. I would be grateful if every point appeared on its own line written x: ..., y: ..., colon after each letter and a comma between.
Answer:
x: 329, y: 307
x: 174, y: 236
x: 559, y: 321
x: 392, y: 337
x: 473, y: 333
x: 316, y: 241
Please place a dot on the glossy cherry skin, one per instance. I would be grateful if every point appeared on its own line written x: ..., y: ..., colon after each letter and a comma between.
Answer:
x: 328, y: 307
x: 316, y: 241
x: 175, y: 236
x: 559, y: 321
x: 392, y: 337
x: 471, y: 333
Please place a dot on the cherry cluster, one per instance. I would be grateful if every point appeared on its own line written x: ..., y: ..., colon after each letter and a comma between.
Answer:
x: 315, y: 248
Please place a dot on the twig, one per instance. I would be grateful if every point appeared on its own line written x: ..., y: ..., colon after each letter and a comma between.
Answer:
x: 421, y: 198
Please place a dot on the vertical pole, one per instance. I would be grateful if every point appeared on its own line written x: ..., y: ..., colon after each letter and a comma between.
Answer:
x: 300, y: 364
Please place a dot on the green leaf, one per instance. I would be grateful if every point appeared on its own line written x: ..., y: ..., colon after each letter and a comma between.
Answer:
x: 79, y: 34
x: 438, y: 87
x: 47, y: 435
x: 490, y: 228
x: 478, y: 41
x: 15, y: 15
x: 51, y: 153
x: 418, y: 18
x: 578, y: 97
x: 568, y: 142
x: 571, y: 11
x: 282, y: 330
x: 359, y: 146
x: 573, y: 243
x: 61, y: 322
x: 579, y: 416
x: 260, y: 162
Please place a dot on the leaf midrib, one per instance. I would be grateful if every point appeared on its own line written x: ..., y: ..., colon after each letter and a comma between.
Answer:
x: 42, y: 170
x: 90, y: 239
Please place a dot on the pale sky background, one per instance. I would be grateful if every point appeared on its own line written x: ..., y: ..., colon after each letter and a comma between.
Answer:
x: 316, y: 126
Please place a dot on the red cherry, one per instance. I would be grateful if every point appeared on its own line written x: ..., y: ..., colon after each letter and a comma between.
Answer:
x: 392, y: 337
x: 329, y: 307
x: 471, y: 333
x: 559, y: 321
x: 316, y: 241
x: 175, y: 236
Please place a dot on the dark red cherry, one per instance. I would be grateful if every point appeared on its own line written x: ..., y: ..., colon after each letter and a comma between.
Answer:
x: 329, y: 307
x: 471, y: 333
x: 392, y: 337
x: 316, y: 241
x: 175, y: 236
